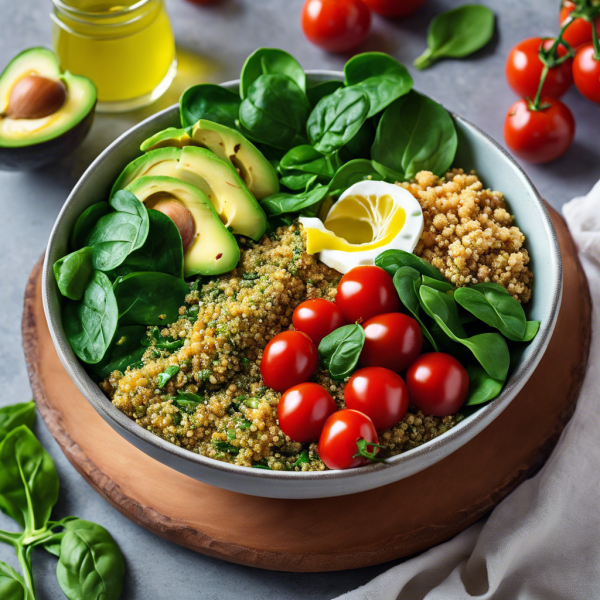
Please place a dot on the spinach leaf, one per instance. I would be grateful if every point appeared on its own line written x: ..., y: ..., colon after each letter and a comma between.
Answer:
x: 72, y: 272
x: 153, y: 337
x: 90, y: 323
x: 482, y: 387
x: 360, y: 145
x: 90, y: 563
x: 382, y: 77
x: 125, y: 350
x: 266, y: 61
x: 12, y: 585
x: 415, y: 134
x: 392, y: 260
x: 164, y: 377
x: 149, y: 298
x: 489, y: 349
x: 493, y: 305
x: 336, y: 119
x: 28, y: 480
x: 340, y: 350
x: 188, y: 402
x: 298, y: 181
x: 308, y: 160
x: 162, y: 251
x: 211, y: 102
x: 275, y: 111
x: 531, y: 329
x: 282, y: 203
x: 302, y: 459
x: 407, y: 282
x: 442, y: 286
x: 85, y: 223
x: 457, y: 33
x: 125, y: 201
x: 16, y: 415
x: 227, y: 447
x: 320, y: 90
x: 352, y: 172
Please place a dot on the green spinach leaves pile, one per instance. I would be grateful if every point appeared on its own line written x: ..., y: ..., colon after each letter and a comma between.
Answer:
x: 325, y: 137
x: 476, y: 324
x: 125, y: 272
x: 90, y: 564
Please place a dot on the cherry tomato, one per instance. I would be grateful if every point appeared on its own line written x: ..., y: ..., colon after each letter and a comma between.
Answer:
x: 524, y: 68
x: 336, y: 25
x: 437, y: 384
x: 579, y: 32
x: 379, y: 393
x: 340, y: 440
x: 317, y: 318
x: 364, y: 292
x: 392, y: 340
x: 586, y: 72
x: 303, y: 411
x: 394, y: 8
x: 539, y: 136
x: 288, y: 359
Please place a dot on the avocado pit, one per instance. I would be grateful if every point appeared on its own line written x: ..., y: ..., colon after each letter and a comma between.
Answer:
x: 36, y: 97
x: 179, y: 214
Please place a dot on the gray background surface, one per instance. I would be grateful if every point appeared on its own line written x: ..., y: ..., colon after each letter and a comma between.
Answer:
x: 223, y: 35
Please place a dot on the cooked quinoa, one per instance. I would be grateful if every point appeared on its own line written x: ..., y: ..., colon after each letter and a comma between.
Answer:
x: 227, y: 321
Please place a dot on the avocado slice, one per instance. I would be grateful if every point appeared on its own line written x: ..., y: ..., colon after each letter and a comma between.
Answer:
x: 229, y: 145
x: 233, y: 202
x: 214, y: 250
x: 30, y: 138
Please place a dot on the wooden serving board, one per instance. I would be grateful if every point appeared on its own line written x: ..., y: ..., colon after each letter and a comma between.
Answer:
x: 333, y: 533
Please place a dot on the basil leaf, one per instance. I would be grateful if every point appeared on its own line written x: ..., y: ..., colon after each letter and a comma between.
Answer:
x: 353, y: 172
x: 382, y: 77
x: 90, y: 323
x: 392, y: 260
x: 266, y: 61
x: 489, y: 349
x: 407, y: 282
x: 320, y: 90
x: 15, y: 415
x: 125, y: 350
x: 414, y: 134
x: 188, y: 402
x: 308, y: 160
x: 275, y: 111
x: 340, y: 350
x: 482, y: 387
x: 149, y: 298
x: 283, y: 203
x: 211, y: 102
x: 457, y: 33
x: 72, y: 272
x: 493, y: 305
x: 336, y: 119
x: 28, y: 480
x: 90, y: 563
x: 12, y: 585
x: 85, y: 223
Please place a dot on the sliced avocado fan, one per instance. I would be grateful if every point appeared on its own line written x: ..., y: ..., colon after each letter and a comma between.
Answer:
x: 213, y: 250
x: 218, y: 180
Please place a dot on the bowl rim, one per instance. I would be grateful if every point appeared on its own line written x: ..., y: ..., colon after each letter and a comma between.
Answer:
x: 469, y: 427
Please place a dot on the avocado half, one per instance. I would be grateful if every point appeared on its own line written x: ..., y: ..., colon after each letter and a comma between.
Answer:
x: 30, y: 143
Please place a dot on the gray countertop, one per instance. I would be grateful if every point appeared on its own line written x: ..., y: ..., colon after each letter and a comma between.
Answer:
x: 213, y: 43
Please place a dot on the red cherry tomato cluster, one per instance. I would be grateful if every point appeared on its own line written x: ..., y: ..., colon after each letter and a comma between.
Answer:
x: 376, y: 396
x: 540, y: 128
x: 342, y: 25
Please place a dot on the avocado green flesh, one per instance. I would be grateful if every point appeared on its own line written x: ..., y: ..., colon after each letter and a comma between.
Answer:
x: 80, y: 100
x: 170, y: 137
x: 214, y: 249
x: 231, y: 199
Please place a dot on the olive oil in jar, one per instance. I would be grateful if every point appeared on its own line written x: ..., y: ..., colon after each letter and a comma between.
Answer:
x: 126, y: 49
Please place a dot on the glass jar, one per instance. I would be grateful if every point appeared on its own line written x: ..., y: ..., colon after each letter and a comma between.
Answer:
x: 127, y: 50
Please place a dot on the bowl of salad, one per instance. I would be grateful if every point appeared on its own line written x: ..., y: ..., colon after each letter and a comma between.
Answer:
x: 302, y: 284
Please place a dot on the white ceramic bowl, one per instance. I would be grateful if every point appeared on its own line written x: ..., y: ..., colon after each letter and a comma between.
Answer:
x: 475, y: 151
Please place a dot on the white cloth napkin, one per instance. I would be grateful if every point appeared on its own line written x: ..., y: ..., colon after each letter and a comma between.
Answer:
x: 543, y: 541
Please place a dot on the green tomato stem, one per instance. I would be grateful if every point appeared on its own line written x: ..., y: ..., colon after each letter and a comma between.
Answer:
x: 363, y: 450
x: 595, y: 42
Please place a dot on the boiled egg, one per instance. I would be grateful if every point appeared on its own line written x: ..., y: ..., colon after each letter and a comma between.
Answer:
x: 368, y: 218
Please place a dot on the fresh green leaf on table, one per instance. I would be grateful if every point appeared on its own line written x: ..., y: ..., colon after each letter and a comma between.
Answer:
x: 12, y: 585
x: 211, y: 102
x: 382, y: 77
x: 90, y: 323
x: 15, y: 415
x: 265, y: 61
x: 73, y: 271
x: 337, y: 118
x: 414, y: 134
x: 457, y: 33
x: 85, y: 223
x: 126, y: 350
x: 284, y: 203
x: 320, y: 90
x: 275, y: 111
x: 353, y: 172
x: 340, y: 350
x: 392, y: 260
x: 482, y: 387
